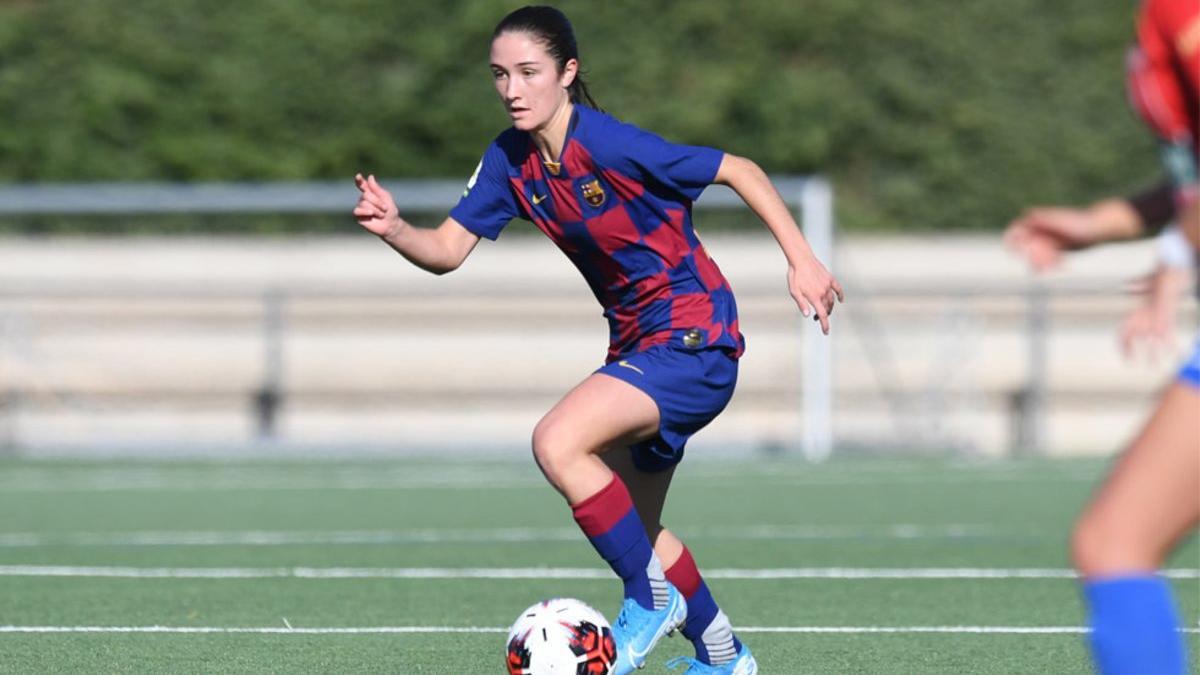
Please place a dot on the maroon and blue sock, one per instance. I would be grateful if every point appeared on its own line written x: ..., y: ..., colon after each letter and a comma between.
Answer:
x: 707, y: 626
x: 1134, y: 626
x: 615, y: 530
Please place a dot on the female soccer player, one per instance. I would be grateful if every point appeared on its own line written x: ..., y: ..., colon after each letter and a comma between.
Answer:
x: 617, y: 200
x: 1151, y: 498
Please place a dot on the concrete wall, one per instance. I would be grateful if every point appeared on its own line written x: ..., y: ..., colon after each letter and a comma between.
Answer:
x: 111, y: 344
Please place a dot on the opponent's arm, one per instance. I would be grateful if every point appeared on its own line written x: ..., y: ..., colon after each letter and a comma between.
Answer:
x: 439, y: 250
x: 1152, y: 323
x: 1189, y: 224
x: 811, y: 285
x: 1043, y: 234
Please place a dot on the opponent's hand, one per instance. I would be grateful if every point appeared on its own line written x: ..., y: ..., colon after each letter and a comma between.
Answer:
x: 1148, y: 331
x: 1150, y: 328
x: 815, y: 291
x: 376, y: 210
x: 1041, y: 235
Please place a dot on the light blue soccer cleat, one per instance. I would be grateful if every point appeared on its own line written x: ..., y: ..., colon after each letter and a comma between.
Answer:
x: 744, y: 664
x: 637, y: 629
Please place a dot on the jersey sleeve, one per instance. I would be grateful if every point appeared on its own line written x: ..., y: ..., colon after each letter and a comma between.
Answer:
x: 488, y: 203
x: 1153, y: 81
x: 1162, y: 84
x: 684, y: 169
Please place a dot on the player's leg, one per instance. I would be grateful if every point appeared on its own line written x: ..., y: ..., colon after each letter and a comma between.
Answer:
x: 707, y: 627
x: 1149, y: 501
x: 600, y: 413
x: 649, y: 492
x: 687, y: 388
x: 597, y: 414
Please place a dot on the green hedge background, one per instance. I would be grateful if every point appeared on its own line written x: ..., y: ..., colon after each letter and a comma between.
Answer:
x: 927, y: 114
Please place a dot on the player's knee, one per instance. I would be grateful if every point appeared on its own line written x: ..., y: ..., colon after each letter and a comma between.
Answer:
x: 1103, y: 542
x: 1086, y: 545
x: 553, y: 447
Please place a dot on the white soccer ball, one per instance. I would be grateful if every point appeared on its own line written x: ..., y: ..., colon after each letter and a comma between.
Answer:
x: 562, y: 636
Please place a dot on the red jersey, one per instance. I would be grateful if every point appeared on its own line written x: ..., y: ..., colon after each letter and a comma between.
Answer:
x: 1164, y: 84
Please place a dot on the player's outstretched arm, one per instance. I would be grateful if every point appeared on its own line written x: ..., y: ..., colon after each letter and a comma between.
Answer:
x: 1043, y: 234
x: 438, y: 250
x: 812, y: 286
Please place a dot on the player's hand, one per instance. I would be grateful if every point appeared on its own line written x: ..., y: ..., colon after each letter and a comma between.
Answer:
x: 1150, y: 329
x: 815, y: 290
x: 1042, y: 234
x: 376, y: 210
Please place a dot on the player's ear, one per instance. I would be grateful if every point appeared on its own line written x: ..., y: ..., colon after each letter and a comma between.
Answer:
x: 569, y: 71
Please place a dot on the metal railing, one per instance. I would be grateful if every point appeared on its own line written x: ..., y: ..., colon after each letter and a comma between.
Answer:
x: 811, y: 196
x: 298, y: 197
x: 274, y: 317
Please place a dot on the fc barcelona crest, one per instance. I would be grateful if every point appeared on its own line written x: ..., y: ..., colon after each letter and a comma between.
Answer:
x: 593, y: 193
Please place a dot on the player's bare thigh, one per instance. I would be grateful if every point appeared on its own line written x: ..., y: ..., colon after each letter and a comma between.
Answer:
x: 1151, y: 498
x: 600, y: 413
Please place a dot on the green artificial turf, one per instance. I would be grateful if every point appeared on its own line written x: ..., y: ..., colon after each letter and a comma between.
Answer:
x: 268, y: 518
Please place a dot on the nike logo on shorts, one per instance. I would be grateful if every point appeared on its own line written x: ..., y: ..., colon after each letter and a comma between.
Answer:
x: 538, y: 199
x: 626, y: 364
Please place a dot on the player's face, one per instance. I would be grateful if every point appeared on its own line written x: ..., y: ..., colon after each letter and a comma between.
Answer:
x: 528, y: 80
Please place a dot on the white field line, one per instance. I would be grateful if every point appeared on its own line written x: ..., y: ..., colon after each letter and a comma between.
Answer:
x: 266, y: 629
x: 493, y: 536
x: 115, y: 480
x: 250, y: 483
x: 368, y: 630
x: 559, y: 573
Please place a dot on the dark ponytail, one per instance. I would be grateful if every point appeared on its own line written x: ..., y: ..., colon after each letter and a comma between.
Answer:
x: 550, y: 27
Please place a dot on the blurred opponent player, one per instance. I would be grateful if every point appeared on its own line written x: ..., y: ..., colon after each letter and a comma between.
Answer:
x: 1151, y: 498
x: 617, y: 201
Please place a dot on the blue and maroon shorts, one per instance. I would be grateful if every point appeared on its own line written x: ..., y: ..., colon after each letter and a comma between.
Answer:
x: 690, y: 386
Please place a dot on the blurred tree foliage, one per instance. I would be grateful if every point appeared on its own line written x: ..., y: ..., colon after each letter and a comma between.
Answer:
x: 927, y: 114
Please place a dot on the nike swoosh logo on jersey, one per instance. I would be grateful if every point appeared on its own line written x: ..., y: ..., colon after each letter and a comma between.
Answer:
x: 626, y: 364
x: 538, y: 199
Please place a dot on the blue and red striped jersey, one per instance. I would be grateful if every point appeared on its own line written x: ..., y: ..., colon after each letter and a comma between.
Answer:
x: 619, y: 204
